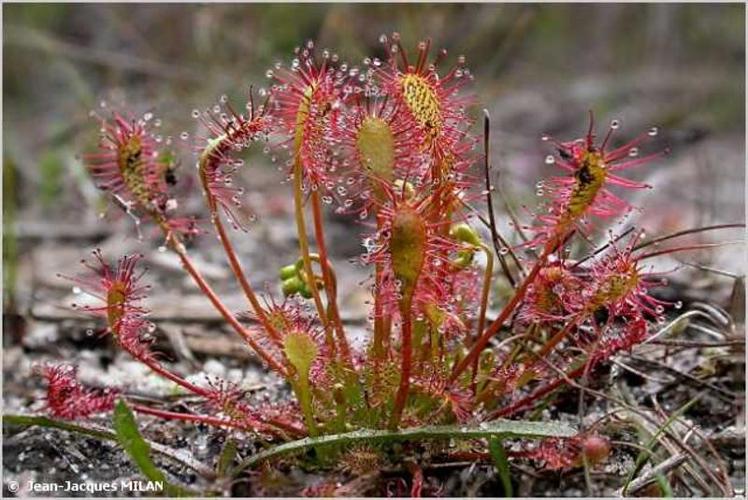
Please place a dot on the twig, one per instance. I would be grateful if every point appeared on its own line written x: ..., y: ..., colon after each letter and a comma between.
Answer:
x: 640, y: 374
x: 721, y: 465
x: 685, y: 232
x: 707, y: 466
x: 677, y: 442
x: 509, y: 210
x: 602, y: 248
x: 651, y: 475
x: 503, y: 241
x: 489, y: 201
x: 670, y: 326
x: 702, y: 267
x: 703, y: 246
x: 697, y: 344
x: 727, y: 396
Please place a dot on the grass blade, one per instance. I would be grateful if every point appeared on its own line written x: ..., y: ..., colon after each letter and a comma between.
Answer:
x: 664, y: 484
x: 104, y: 434
x: 504, y: 428
x: 30, y: 420
x: 226, y: 458
x: 139, y: 451
x: 496, y: 447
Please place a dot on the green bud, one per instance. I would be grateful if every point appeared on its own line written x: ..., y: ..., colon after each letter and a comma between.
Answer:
x: 337, y: 394
x: 464, y: 258
x: 435, y: 315
x: 292, y: 285
x: 305, y: 292
x: 401, y: 186
x: 466, y: 234
x: 288, y: 271
x: 487, y: 360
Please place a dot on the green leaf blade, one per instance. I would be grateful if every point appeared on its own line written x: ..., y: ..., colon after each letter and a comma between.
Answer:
x: 498, y: 453
x: 139, y: 451
x: 505, y: 428
x: 226, y: 458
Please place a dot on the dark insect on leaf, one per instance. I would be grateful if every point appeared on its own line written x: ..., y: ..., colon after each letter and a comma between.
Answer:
x: 601, y: 316
x: 584, y: 175
x: 171, y: 176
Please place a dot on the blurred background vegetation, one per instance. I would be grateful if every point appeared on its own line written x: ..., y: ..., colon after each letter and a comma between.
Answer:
x: 538, y: 68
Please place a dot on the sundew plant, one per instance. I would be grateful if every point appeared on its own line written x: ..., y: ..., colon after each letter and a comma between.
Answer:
x: 395, y: 145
